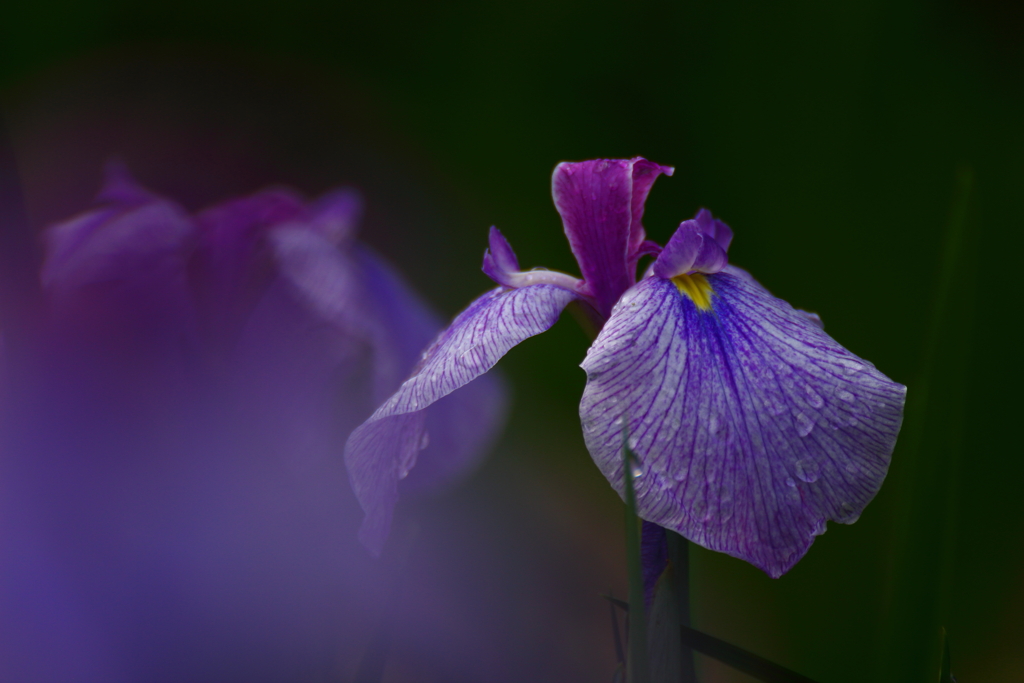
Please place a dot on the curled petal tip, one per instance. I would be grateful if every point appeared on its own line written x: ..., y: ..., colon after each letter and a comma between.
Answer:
x: 501, y: 250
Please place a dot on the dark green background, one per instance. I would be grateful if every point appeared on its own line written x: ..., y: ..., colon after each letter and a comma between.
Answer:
x: 830, y: 136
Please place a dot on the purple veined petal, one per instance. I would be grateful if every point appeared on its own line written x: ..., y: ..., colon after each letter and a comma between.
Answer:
x: 601, y: 211
x: 753, y: 426
x: 460, y: 427
x: 383, y: 449
x: 361, y: 295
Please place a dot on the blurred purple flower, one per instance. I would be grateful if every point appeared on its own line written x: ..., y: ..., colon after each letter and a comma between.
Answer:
x: 753, y: 427
x: 173, y: 491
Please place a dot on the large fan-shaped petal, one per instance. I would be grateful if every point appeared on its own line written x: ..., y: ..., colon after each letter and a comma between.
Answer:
x: 753, y: 426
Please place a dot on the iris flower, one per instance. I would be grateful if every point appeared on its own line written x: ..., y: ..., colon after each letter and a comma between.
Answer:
x: 752, y: 426
x: 172, y: 486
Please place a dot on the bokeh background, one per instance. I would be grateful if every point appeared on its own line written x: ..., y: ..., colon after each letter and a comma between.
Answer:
x: 869, y: 156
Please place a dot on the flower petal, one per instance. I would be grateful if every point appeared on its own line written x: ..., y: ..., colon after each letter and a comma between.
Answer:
x: 644, y: 174
x: 753, y: 426
x: 385, y: 447
x: 122, y: 265
x: 500, y: 262
x: 601, y: 204
x: 336, y: 214
x: 695, y: 247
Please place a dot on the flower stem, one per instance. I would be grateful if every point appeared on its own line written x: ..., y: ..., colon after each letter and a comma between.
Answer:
x: 636, y: 659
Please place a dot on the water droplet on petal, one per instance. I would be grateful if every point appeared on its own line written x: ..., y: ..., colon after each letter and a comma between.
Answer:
x: 803, y: 424
x: 424, y: 440
x: 790, y: 482
x: 851, y: 468
x: 813, y: 397
x: 806, y: 470
x: 851, y: 367
x: 845, y: 395
x: 847, y: 513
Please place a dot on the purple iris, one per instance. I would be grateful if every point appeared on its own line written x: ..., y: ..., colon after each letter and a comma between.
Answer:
x: 172, y: 486
x: 752, y: 426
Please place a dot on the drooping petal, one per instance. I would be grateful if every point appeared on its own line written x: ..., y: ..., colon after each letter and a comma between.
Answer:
x: 753, y: 426
x: 601, y: 204
x: 460, y: 426
x: 383, y: 449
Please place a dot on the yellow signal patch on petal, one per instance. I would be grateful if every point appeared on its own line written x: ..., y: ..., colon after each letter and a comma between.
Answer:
x: 696, y: 287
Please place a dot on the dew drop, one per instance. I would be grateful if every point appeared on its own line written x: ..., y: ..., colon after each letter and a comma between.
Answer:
x: 424, y: 440
x: 813, y: 397
x: 848, y: 514
x: 636, y: 472
x: 851, y: 468
x: 789, y: 482
x: 851, y: 367
x: 845, y: 395
x: 806, y: 470
x: 803, y: 424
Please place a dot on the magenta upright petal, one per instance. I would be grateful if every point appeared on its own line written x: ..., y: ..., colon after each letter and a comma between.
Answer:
x: 601, y: 204
x: 644, y: 174
x: 753, y: 426
x: 384, y: 448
